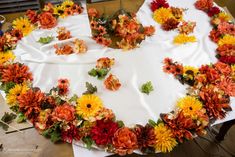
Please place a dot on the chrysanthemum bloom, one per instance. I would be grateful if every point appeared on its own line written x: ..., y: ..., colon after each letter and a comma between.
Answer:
x: 215, y: 101
x: 165, y: 141
x: 64, y: 112
x: 47, y: 20
x: 227, y: 39
x: 88, y: 106
x: 226, y: 28
x: 226, y: 50
x: 23, y: 24
x: 112, y: 83
x: 170, y: 24
x: 17, y: 73
x: 187, y: 27
x: 79, y: 46
x: 162, y: 14
x: 227, y: 85
x: 189, y: 106
x: 177, y: 13
x: 15, y: 92
x: 30, y: 103
x: 223, y: 68
x: 70, y: 133
x: 32, y: 15
x: 7, y: 42
x: 125, y: 141
x: 145, y: 136
x: 211, y: 73
x: 64, y: 50
x: 17, y: 33
x: 105, y: 62
x: 227, y: 59
x: 204, y: 5
x: 103, y: 132
x: 183, y: 39
x: 63, y: 33
x: 180, y: 125
x: 6, y: 57
x: 156, y: 4
x: 215, y: 35
x: 213, y: 11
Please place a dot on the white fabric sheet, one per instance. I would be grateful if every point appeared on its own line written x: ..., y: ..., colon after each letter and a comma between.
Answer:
x: 133, y: 68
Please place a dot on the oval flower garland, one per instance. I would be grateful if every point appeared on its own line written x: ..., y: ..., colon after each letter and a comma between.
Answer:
x: 85, y: 119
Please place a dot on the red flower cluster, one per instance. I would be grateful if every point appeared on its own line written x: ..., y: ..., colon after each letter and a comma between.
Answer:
x: 172, y: 68
x: 32, y: 15
x: 213, y: 11
x: 204, y: 5
x: 156, y: 4
x: 71, y: 133
x: 103, y: 132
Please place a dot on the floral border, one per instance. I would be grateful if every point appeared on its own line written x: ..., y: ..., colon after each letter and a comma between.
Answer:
x: 84, y: 118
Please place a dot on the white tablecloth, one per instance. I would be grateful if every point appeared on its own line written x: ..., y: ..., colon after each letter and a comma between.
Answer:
x: 133, y: 68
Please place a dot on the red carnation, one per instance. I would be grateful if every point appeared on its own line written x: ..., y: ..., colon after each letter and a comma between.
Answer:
x: 156, y: 4
x: 227, y: 59
x: 71, y: 133
x: 103, y: 132
x: 213, y: 11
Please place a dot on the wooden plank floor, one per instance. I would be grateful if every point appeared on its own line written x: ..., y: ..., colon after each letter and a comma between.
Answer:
x: 31, y: 144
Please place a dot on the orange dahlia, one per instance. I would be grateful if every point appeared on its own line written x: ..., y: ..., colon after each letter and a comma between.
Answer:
x: 125, y: 141
x: 64, y: 112
x: 30, y: 103
x: 47, y: 20
x: 17, y: 73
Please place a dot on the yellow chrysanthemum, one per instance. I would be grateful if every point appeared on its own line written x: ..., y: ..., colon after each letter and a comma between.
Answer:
x: 88, y: 106
x: 16, y: 91
x: 23, y: 24
x: 183, y: 39
x: 223, y: 16
x: 59, y: 10
x: 189, y: 106
x: 165, y: 142
x: 67, y: 4
x: 6, y: 56
x: 227, y: 39
x: 162, y: 14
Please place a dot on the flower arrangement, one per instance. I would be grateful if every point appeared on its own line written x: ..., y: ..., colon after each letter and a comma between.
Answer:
x: 85, y: 118
x: 223, y: 32
x: 171, y: 18
x: 122, y: 29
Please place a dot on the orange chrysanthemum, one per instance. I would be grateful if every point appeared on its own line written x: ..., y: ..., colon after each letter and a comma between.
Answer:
x: 17, y: 73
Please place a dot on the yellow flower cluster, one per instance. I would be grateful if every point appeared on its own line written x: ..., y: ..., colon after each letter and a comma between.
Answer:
x: 6, y: 56
x: 224, y: 16
x: 227, y: 39
x: 183, y: 39
x: 60, y: 9
x: 162, y: 14
x: 165, y: 142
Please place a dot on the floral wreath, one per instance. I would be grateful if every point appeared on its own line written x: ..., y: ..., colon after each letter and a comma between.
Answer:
x: 84, y: 118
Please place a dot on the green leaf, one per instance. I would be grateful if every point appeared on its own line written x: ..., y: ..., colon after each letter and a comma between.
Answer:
x: 92, y: 72
x: 88, y: 141
x: 90, y: 88
x: 45, y: 40
x: 120, y: 124
x: 152, y: 123
x: 73, y: 98
x: 7, y: 86
x: 54, y: 133
x: 7, y: 118
x: 15, y: 108
x: 21, y: 118
x: 147, y: 87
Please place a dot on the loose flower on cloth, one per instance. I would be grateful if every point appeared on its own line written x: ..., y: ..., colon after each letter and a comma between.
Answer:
x: 63, y: 33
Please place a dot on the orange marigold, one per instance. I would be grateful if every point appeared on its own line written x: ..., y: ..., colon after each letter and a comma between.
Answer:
x: 125, y: 141
x: 17, y: 73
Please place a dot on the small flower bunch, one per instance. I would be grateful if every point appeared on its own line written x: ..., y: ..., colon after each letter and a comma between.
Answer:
x: 223, y: 32
x: 77, y: 46
x: 63, y: 33
x: 213, y: 84
x: 171, y: 18
x: 124, y: 26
